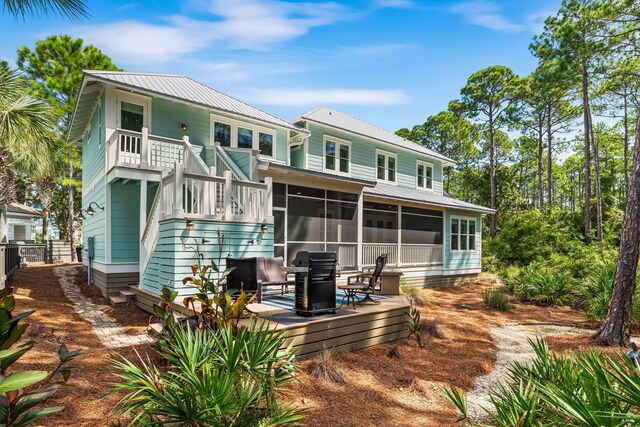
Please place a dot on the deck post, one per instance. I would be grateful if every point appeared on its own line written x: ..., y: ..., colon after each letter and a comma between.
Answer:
x: 228, y: 193
x: 178, y: 193
x: 144, y: 148
x: 399, y: 262
x: 269, y: 181
x: 360, y: 226
x: 143, y: 224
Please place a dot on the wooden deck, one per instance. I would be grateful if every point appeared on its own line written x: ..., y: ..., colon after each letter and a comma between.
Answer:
x: 347, y: 329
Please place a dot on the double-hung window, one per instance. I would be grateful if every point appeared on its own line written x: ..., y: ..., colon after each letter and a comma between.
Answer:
x: 337, y: 155
x: 386, y: 166
x: 424, y: 175
x: 463, y: 234
x: 222, y: 133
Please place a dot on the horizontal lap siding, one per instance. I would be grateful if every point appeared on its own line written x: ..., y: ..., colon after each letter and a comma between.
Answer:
x: 171, y: 260
x: 94, y: 188
x: 242, y: 159
x: 462, y: 260
x: 125, y: 222
x: 168, y: 116
x: 363, y: 158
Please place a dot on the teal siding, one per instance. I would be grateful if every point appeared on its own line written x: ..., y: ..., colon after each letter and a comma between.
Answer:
x: 242, y: 159
x: 93, y: 148
x: 95, y: 225
x: 281, y: 146
x: 94, y: 188
x: 462, y: 260
x: 167, y: 117
x: 171, y: 261
x: 363, y: 157
x: 297, y: 157
x: 125, y: 222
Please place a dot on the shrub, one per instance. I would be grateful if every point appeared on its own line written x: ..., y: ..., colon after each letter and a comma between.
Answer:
x: 215, y: 378
x: 542, y: 286
x: 393, y: 352
x: 496, y: 299
x: 413, y: 324
x: 416, y: 296
x: 324, y: 366
x: 588, y: 388
x: 597, y: 293
x: 430, y: 327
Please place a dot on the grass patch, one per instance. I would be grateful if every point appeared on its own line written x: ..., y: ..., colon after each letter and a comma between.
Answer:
x: 496, y: 299
x: 431, y: 327
x: 416, y: 296
x: 324, y: 366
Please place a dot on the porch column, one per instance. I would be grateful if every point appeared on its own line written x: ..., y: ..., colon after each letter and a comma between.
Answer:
x: 399, y: 235
x: 144, y: 148
x: 360, y: 226
x: 178, y: 192
x: 143, y: 224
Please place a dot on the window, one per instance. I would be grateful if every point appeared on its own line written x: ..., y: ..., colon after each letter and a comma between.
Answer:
x: 424, y: 175
x: 386, y: 166
x: 337, y: 155
x: 463, y: 234
x: 131, y: 116
x: 265, y: 144
x: 421, y: 226
x: 245, y: 138
x: 222, y: 134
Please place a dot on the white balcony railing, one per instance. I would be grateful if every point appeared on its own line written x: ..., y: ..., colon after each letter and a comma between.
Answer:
x: 141, y: 149
x: 407, y: 255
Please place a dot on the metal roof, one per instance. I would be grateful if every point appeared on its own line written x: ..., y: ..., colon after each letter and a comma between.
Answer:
x: 329, y: 117
x: 184, y: 89
x: 20, y: 209
x: 318, y: 174
x: 414, y: 195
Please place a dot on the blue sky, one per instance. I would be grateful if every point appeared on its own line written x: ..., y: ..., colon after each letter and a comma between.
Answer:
x: 391, y: 62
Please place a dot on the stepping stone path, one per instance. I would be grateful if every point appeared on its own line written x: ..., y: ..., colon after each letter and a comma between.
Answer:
x: 104, y: 326
x: 513, y: 346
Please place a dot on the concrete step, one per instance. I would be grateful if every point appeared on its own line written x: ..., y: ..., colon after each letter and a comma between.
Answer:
x: 118, y: 301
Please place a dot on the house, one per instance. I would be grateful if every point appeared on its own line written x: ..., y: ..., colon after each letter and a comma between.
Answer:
x: 22, y: 222
x: 169, y: 163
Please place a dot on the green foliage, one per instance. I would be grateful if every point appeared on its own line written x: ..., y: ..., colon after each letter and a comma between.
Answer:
x: 72, y: 9
x: 496, y: 299
x: 542, y: 286
x: 587, y: 389
x: 413, y: 324
x: 21, y: 392
x: 416, y: 296
x: 221, y: 378
x: 597, y: 290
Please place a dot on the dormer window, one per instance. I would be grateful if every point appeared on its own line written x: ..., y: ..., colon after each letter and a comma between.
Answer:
x: 337, y: 155
x: 424, y: 175
x: 386, y: 166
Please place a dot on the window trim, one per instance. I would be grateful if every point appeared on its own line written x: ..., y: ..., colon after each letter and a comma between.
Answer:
x: 338, y: 142
x: 134, y: 98
x: 387, y: 155
x: 255, y: 130
x: 426, y: 165
x: 451, y: 234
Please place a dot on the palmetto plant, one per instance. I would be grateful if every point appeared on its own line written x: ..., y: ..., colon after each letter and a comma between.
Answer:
x: 216, y: 378
x: 587, y: 389
x: 542, y: 286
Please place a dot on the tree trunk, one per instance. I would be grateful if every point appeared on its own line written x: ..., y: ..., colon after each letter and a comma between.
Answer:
x: 616, y: 327
x: 540, y: 171
x: 492, y: 175
x: 72, y: 245
x: 45, y: 225
x: 587, y: 159
x: 596, y: 170
x: 549, y: 159
x: 626, y: 144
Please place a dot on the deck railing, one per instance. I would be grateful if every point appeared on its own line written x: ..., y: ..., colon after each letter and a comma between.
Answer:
x: 407, y: 255
x: 141, y: 149
x: 9, y: 261
x: 33, y: 253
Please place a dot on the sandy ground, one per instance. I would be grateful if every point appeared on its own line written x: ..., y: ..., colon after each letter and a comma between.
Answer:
x: 379, y: 390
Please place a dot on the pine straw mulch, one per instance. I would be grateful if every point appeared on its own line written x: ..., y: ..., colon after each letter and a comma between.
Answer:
x: 37, y: 288
x: 386, y: 391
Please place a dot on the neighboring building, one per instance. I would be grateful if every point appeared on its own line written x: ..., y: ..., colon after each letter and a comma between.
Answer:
x: 164, y: 151
x: 21, y: 223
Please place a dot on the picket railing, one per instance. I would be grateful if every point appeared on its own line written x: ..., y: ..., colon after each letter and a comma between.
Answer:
x: 408, y: 254
x: 9, y: 261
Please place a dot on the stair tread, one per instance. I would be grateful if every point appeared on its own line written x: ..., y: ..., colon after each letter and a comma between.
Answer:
x: 156, y: 329
x: 127, y: 293
x: 117, y: 300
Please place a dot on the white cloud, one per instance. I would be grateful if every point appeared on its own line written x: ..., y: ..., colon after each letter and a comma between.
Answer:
x: 401, y: 4
x: 377, y: 49
x: 485, y: 14
x: 336, y: 96
x: 240, y: 24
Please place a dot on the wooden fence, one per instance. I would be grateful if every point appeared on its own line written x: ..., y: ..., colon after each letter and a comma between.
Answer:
x: 9, y: 261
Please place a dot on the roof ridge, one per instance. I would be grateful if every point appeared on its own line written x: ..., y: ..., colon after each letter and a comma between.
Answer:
x: 135, y: 73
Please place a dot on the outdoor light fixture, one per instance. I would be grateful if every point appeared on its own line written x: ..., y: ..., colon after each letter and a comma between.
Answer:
x: 264, y: 229
x: 183, y: 126
x: 80, y: 216
x: 189, y: 226
x: 90, y: 210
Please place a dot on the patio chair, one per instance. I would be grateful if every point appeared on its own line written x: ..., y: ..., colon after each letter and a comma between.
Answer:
x: 244, y: 276
x: 270, y: 274
x: 365, y: 284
